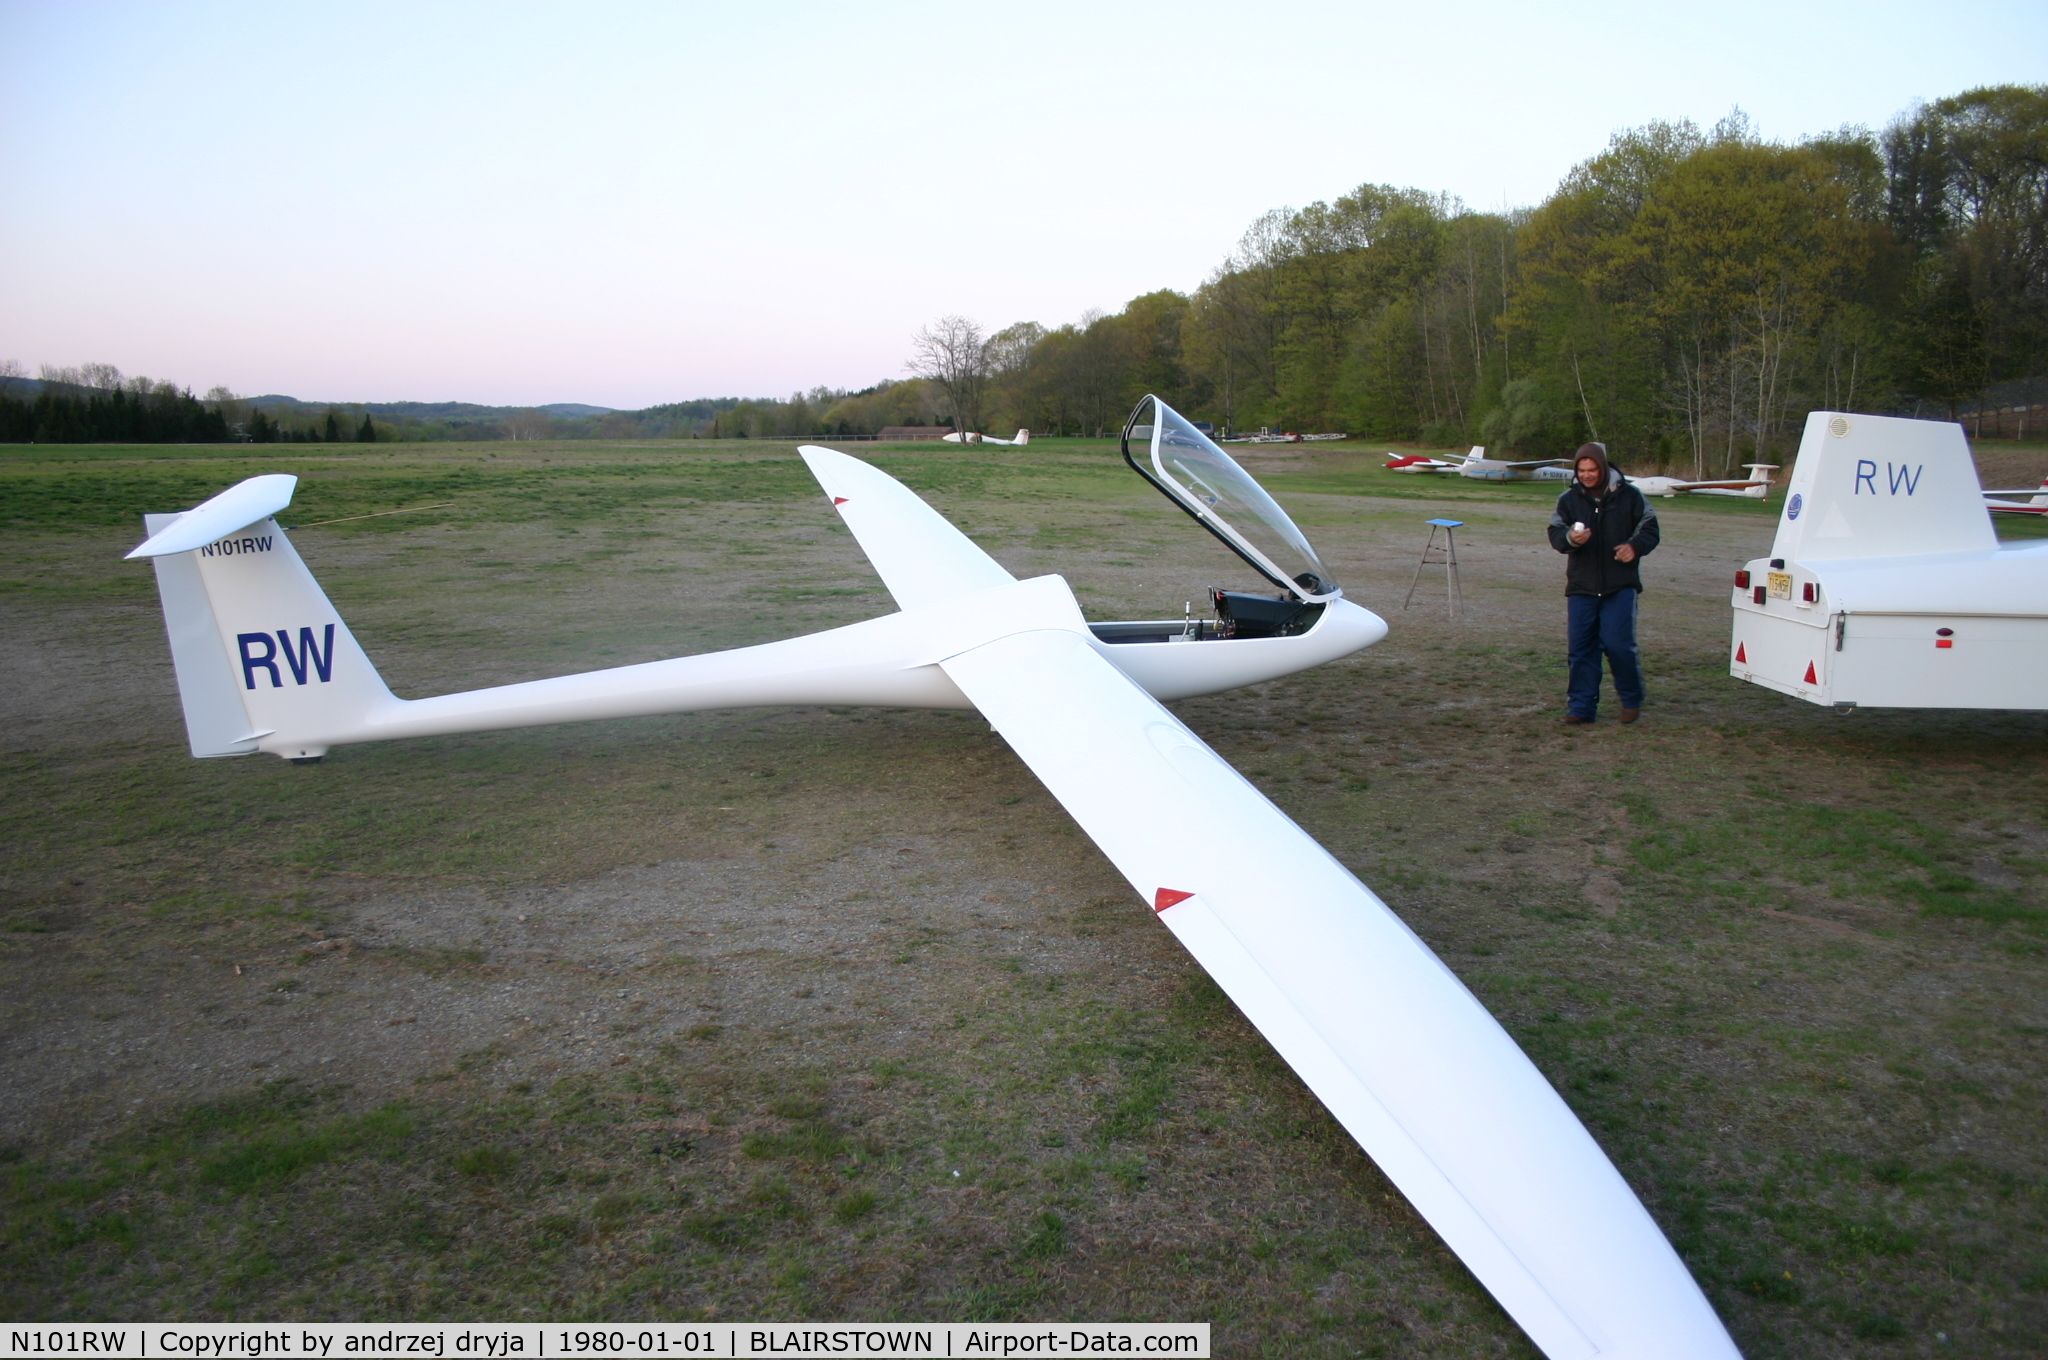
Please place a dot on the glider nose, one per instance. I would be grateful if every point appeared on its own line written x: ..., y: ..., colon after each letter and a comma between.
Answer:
x: 1351, y: 623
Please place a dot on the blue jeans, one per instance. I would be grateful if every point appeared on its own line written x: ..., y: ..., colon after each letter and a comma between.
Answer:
x: 1597, y: 624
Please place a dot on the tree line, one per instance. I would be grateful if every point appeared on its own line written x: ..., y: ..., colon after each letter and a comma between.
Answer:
x: 1684, y: 295
x: 138, y: 412
x: 95, y: 403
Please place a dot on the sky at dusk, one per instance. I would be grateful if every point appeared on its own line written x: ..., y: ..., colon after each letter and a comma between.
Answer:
x: 629, y: 204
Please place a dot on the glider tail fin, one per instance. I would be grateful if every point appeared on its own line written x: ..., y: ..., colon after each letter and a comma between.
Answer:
x: 2040, y: 497
x: 1023, y: 438
x: 264, y: 661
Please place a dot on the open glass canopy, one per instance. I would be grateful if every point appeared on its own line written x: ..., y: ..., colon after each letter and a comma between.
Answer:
x: 1166, y: 449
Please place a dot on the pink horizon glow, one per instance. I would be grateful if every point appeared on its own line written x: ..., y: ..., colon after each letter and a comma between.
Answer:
x: 630, y: 204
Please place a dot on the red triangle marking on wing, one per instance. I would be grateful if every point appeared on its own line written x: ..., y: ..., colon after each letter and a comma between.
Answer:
x: 1741, y: 656
x: 1167, y: 897
x: 839, y: 500
x: 1811, y: 678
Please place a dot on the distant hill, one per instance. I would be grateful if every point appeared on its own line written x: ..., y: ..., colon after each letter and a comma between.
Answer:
x: 276, y: 417
x: 276, y: 402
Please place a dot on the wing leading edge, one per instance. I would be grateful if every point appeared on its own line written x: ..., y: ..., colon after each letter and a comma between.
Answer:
x: 1408, y: 1060
x: 916, y: 550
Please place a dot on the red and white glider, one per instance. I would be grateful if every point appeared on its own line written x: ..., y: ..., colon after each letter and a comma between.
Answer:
x: 2037, y: 504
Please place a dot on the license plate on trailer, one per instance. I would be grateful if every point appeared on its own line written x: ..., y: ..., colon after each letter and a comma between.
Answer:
x: 1779, y: 585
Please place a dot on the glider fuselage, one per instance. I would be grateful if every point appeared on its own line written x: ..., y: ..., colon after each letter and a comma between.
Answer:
x: 294, y: 682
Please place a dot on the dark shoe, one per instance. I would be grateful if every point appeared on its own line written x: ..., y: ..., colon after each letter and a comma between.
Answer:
x: 1573, y: 720
x: 1629, y: 715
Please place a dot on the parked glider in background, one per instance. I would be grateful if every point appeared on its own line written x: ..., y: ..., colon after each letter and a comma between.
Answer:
x: 1479, y: 467
x: 1278, y: 437
x: 1422, y: 462
x: 1754, y: 487
x: 1401, y: 1053
x: 970, y: 437
x: 1886, y: 586
x: 2037, y: 504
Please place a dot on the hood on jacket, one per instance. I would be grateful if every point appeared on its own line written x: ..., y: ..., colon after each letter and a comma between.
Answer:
x: 1610, y: 474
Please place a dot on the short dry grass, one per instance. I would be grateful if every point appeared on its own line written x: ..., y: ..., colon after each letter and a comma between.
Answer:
x: 833, y: 1014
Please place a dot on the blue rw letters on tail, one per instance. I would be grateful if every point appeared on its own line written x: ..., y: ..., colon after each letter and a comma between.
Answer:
x: 311, y: 656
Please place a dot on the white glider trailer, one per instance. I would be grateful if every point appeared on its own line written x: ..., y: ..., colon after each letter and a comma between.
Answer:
x: 1886, y: 586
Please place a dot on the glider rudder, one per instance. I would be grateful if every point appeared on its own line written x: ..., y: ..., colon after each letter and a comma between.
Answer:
x: 264, y: 661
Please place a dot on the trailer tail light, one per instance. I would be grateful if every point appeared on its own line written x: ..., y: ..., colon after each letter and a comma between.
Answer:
x: 1742, y: 580
x: 1757, y: 595
x: 1945, y: 637
x: 1810, y: 592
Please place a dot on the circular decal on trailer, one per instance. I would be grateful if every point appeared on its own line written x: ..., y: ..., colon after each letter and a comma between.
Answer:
x: 1794, y: 506
x: 1839, y: 427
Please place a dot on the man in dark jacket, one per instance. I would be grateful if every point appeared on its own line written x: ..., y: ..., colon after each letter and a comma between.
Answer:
x: 1604, y: 527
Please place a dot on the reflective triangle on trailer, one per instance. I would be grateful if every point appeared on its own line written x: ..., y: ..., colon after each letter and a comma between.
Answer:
x: 1741, y: 656
x: 1811, y: 678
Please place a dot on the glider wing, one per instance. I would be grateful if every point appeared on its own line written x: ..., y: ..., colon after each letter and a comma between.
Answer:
x: 918, y: 553
x: 1407, y: 1059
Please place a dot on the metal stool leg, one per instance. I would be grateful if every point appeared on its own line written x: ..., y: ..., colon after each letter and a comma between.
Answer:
x: 1422, y: 562
x: 1454, y: 587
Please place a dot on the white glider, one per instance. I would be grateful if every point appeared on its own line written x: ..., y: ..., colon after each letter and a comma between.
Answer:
x: 1754, y: 487
x: 1279, y: 437
x: 1433, y: 1089
x: 970, y: 437
x: 1480, y: 468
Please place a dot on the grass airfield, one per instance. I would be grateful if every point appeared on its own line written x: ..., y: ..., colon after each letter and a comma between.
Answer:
x: 790, y: 1014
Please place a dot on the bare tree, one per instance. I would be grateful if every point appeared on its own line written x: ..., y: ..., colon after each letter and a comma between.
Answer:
x: 105, y: 377
x: 528, y: 424
x: 232, y: 408
x: 953, y: 353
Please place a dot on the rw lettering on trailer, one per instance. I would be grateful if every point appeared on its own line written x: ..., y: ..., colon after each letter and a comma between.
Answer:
x: 1902, y: 476
x: 312, y: 657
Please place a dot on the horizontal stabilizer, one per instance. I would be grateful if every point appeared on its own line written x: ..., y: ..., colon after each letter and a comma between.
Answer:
x: 238, y: 507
